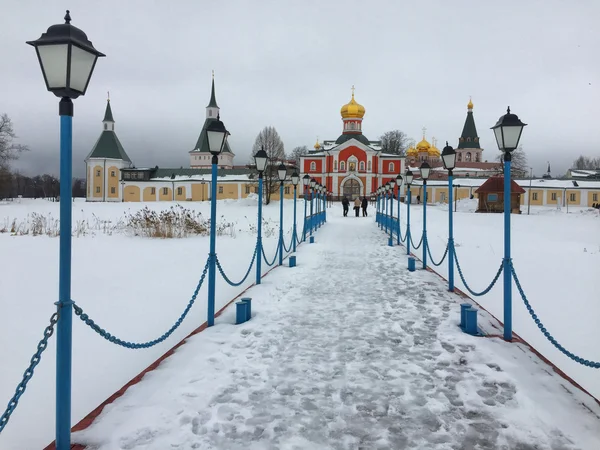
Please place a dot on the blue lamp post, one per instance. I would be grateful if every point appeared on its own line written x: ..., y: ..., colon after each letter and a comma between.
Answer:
x: 216, y: 135
x: 392, y: 183
x: 449, y: 160
x: 260, y: 160
x: 313, y: 183
x: 381, y: 190
x: 281, y: 174
x: 387, y: 206
x: 305, y: 183
x: 425, y: 169
x: 295, y: 180
x: 378, y: 207
x: 67, y: 59
x: 317, y: 190
x: 408, y: 177
x: 508, y: 131
x: 399, y: 184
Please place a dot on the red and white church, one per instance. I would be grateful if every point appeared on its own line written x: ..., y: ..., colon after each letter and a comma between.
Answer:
x: 352, y: 165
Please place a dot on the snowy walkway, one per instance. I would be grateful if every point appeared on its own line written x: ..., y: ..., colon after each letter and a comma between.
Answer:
x: 348, y: 351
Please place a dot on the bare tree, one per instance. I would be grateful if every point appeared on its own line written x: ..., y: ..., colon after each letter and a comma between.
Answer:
x: 519, y: 166
x: 585, y: 162
x: 297, y: 153
x: 269, y: 140
x: 395, y: 142
x: 9, y: 151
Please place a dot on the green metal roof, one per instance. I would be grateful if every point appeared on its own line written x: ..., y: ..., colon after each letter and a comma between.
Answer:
x: 359, y: 137
x: 469, y: 138
x: 108, y: 146
x: 186, y: 172
x: 213, y: 99
x: 202, y: 142
x: 108, y: 117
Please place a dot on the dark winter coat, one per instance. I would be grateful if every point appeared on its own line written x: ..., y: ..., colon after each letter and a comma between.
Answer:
x: 345, y: 203
x: 364, y: 203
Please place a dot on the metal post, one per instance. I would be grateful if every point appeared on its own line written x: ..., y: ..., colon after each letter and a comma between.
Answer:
x: 450, y: 236
x: 424, y: 224
x: 398, y: 240
x: 64, y: 327
x: 259, y: 228
x: 506, y: 261
x: 212, y: 256
x: 408, y: 222
x: 392, y: 216
x: 305, y: 206
x: 311, y: 211
x: 280, y: 223
x: 385, y: 202
x: 529, y: 193
x: 294, y: 226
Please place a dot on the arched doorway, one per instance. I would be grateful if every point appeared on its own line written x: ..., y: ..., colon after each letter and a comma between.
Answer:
x: 351, y: 189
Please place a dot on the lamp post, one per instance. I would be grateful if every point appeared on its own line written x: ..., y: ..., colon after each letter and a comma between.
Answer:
x: 317, y: 203
x: 425, y: 169
x: 216, y: 135
x: 313, y: 182
x: 295, y: 180
x: 281, y: 173
x: 122, y: 191
x: 399, y: 184
x: 260, y: 160
x: 529, y: 193
x: 305, y: 183
x: 392, y: 183
x: 449, y: 160
x: 508, y: 131
x: 408, y: 177
x: 202, y: 183
x: 67, y: 59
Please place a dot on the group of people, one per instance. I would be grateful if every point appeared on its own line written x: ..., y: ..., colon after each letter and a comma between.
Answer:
x: 358, y: 204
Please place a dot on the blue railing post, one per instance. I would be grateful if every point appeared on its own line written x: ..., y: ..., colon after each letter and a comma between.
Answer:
x: 259, y: 238
x: 424, y: 224
x: 64, y: 327
x: 324, y: 207
x: 294, y: 227
x: 280, y: 223
x: 311, y: 211
x: 377, y: 209
x: 385, y: 202
x: 507, y: 271
x: 408, y: 221
x: 398, y: 240
x: 392, y: 216
x: 212, y: 256
x: 450, y: 236
x: 305, y: 206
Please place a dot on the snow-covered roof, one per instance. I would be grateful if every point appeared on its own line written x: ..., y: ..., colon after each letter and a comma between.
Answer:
x: 203, y: 177
x: 538, y: 183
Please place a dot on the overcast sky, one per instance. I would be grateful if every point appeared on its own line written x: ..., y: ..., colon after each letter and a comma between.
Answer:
x: 291, y: 64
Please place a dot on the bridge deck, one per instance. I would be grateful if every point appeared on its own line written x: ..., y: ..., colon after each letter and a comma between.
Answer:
x: 348, y: 351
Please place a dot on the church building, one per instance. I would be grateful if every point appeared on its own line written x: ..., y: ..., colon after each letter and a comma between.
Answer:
x: 352, y: 165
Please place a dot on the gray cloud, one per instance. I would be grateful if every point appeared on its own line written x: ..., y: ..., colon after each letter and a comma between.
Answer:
x: 291, y: 65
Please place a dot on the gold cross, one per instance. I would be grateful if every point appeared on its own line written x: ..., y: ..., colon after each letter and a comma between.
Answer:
x: 424, y: 130
x: 108, y: 93
x: 352, y: 90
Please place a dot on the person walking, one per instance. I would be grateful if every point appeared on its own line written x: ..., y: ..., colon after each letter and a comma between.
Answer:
x: 357, y: 204
x: 364, y: 204
x: 346, y: 206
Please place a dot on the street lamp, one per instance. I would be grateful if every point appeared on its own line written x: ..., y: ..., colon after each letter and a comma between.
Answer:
x: 67, y: 59
x: 399, y: 184
x: 295, y: 180
x: 508, y: 131
x: 425, y: 169
x: 408, y: 177
x: 281, y: 173
x: 122, y: 191
x: 386, y: 190
x: 260, y: 160
x: 202, y: 182
x: 313, y: 182
x: 305, y: 183
x: 216, y: 136
x: 391, y: 183
x: 449, y: 160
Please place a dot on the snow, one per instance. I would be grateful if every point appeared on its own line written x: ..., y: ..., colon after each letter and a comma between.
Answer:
x: 308, y: 345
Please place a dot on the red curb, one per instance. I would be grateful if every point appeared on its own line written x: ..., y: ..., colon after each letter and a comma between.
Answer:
x: 87, y: 420
x: 516, y: 338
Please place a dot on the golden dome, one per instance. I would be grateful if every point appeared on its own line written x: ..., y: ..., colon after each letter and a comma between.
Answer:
x: 423, y: 146
x: 317, y: 145
x: 352, y: 109
x: 470, y: 104
x: 411, y: 151
x: 433, y: 150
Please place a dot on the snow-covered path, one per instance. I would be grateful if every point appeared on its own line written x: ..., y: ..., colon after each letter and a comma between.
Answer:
x: 348, y: 350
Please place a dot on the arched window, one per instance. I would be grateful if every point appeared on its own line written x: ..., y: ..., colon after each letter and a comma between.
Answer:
x: 468, y: 156
x: 369, y: 166
x: 361, y: 165
x: 342, y: 166
x: 313, y: 166
x: 335, y: 165
x: 391, y: 167
x: 106, y: 126
x: 459, y: 157
x: 477, y: 157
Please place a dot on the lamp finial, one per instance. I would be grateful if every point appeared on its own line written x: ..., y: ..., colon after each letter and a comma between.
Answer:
x: 68, y: 17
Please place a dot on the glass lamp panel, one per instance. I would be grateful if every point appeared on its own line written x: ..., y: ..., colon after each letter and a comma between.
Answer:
x: 82, y: 63
x: 511, y: 136
x: 216, y: 140
x: 499, y: 138
x: 54, y: 64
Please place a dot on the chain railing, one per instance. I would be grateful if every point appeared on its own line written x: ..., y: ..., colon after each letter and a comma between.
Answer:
x: 35, y: 360
x: 227, y: 279
x: 133, y: 345
x: 487, y: 289
x: 431, y: 257
x: 545, y: 332
x: 416, y: 247
x: 262, y: 249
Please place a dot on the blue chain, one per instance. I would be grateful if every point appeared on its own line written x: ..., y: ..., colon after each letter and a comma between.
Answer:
x: 416, y: 247
x: 35, y: 360
x: 286, y: 249
x: 265, y: 256
x: 538, y: 322
x: 132, y: 345
x: 231, y: 283
x: 487, y: 289
x: 400, y: 233
x: 431, y: 257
